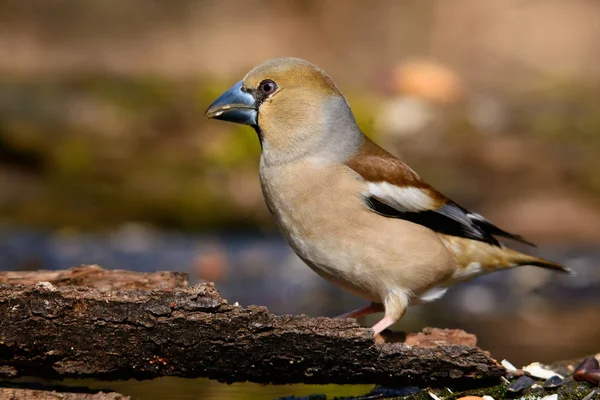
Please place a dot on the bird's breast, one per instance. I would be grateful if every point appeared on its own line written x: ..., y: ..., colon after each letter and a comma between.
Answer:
x: 304, y: 198
x: 315, y: 206
x: 321, y: 212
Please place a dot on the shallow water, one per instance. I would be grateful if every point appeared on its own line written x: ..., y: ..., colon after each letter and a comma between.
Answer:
x: 171, y: 388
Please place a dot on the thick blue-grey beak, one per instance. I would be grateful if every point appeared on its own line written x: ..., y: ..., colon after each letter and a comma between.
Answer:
x: 234, y: 105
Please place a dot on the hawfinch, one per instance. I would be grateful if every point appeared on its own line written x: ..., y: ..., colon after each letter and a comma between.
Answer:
x: 357, y: 215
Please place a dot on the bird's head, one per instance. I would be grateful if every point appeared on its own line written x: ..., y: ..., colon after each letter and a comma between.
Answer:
x: 295, y: 107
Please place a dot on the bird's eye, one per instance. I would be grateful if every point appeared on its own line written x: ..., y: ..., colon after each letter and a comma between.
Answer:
x: 267, y: 86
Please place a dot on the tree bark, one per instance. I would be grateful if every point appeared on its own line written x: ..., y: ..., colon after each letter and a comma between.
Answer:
x: 58, y: 332
x: 29, y: 394
x: 99, y: 278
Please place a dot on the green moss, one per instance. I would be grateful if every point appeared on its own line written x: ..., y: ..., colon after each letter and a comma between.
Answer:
x: 569, y: 391
x: 497, y: 392
x: 574, y: 390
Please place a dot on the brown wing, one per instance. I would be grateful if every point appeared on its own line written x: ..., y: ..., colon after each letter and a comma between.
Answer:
x: 396, y: 191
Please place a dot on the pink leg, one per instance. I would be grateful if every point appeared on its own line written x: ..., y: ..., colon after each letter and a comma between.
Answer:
x: 395, y: 307
x: 361, y: 312
x: 382, y: 325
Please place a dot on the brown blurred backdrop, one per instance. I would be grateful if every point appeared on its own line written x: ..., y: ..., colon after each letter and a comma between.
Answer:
x: 116, y: 91
x: 106, y: 156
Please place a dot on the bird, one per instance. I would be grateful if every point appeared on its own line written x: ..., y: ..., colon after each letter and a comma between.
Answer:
x: 357, y: 215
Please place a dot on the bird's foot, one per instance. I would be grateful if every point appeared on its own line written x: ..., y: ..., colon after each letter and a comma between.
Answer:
x: 382, y: 325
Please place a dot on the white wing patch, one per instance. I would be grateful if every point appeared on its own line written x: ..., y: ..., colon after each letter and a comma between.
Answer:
x: 432, y: 294
x: 403, y: 199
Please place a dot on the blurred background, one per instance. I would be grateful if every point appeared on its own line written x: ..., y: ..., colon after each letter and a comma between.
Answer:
x: 106, y: 156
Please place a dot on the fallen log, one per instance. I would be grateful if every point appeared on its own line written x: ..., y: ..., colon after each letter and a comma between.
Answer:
x: 58, y: 332
x: 99, y: 278
x: 29, y: 394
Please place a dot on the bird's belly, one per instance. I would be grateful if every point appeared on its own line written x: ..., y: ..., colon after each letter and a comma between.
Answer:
x: 337, y: 263
x: 326, y: 240
x: 367, y: 261
x: 350, y: 246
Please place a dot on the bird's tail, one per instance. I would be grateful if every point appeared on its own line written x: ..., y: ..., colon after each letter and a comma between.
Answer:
x: 475, y: 257
x: 524, y: 259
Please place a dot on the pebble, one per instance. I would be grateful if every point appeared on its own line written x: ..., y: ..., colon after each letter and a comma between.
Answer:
x: 587, y: 364
x: 592, y: 376
x: 508, y: 365
x: 520, y: 384
x: 588, y: 370
x: 537, y: 370
x: 553, y: 381
x: 550, y: 397
x: 433, y: 396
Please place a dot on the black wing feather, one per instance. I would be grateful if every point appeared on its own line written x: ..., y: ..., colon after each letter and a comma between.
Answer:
x: 450, y: 219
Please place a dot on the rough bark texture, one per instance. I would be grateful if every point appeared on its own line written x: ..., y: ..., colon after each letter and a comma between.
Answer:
x: 28, y: 394
x: 58, y: 332
x: 99, y: 278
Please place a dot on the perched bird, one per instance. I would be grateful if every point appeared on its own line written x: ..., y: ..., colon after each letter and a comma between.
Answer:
x: 357, y: 215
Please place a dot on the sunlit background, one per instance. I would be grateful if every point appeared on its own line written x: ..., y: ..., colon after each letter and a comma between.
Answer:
x: 106, y: 156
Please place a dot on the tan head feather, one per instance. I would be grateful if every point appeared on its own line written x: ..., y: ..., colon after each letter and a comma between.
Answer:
x: 306, y: 114
x: 291, y: 72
